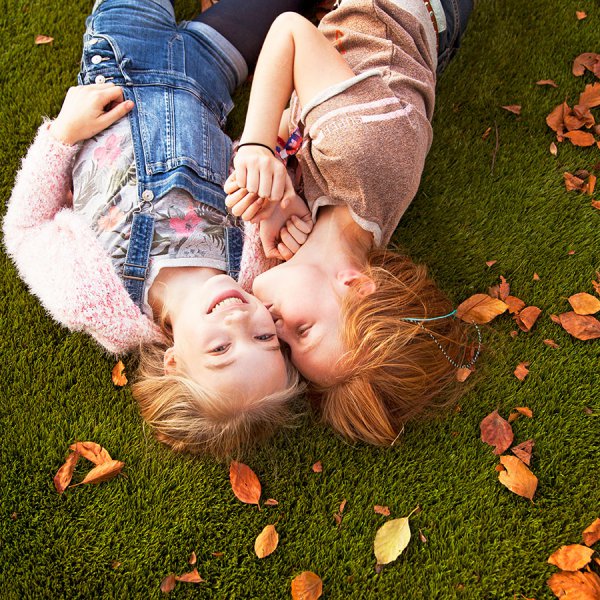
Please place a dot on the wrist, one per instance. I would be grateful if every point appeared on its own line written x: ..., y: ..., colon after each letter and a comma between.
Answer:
x: 62, y: 134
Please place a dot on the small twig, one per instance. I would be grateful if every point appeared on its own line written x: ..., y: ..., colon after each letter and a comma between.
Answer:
x: 496, y: 147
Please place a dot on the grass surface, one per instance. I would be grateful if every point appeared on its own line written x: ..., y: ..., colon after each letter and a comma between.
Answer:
x: 483, y: 541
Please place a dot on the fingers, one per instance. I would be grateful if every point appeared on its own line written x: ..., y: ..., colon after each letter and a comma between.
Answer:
x: 284, y: 251
x: 116, y: 113
x: 253, y: 210
x: 244, y: 203
x: 231, y: 184
x: 110, y: 93
x: 299, y: 235
x: 291, y: 245
x: 305, y: 225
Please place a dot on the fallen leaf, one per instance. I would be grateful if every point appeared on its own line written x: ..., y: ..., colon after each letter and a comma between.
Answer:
x: 596, y: 204
x: 93, y: 452
x: 527, y: 317
x: 490, y: 263
x: 480, y: 308
x: 504, y: 288
x: 552, y: 344
x: 522, y: 371
x: 115, y: 564
x: 43, y: 39
x: 271, y: 502
x: 571, y: 252
x: 266, y: 542
x: 592, y: 533
x: 317, y: 467
x: 63, y: 476
x: 462, y: 373
x: 536, y: 277
x: 580, y: 138
x: 499, y: 468
x: 513, y: 334
x: 553, y: 149
x: 118, y: 374
x: 556, y: 119
x: 587, y: 60
x: 307, y: 586
x: 103, y: 472
x: 580, y: 15
x: 596, y: 284
x: 513, y: 108
x: 572, y: 557
x: 590, y: 97
x: 525, y: 410
x: 343, y: 505
x: 191, y: 577
x: 584, y: 304
x: 338, y: 519
x: 555, y: 319
x: 382, y: 510
x: 244, y: 483
x: 574, y: 585
x: 549, y: 82
x: 391, y: 539
x: 218, y: 554
x: 514, y: 304
x: 192, y: 559
x: 591, y: 185
x: 167, y: 585
x: 422, y: 537
x: 582, y: 327
x: 523, y: 451
x: 513, y: 417
x: 496, y: 432
x: 517, y: 477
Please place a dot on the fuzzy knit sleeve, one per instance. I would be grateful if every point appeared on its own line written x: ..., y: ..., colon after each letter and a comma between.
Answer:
x: 254, y: 262
x: 59, y: 257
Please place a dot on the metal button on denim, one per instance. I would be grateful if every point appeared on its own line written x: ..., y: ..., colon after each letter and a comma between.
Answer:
x: 100, y: 79
x: 93, y: 41
x: 148, y: 195
x: 96, y: 59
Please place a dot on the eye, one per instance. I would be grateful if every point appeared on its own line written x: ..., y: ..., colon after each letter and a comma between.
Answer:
x: 303, y: 330
x: 265, y: 337
x: 220, y: 349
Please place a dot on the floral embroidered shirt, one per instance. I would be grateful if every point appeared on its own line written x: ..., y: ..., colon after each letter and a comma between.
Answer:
x: 186, y: 233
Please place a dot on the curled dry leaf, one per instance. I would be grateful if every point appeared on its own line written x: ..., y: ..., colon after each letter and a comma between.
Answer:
x: 266, y: 542
x: 480, y: 308
x: 244, y: 483
x: 513, y: 108
x: 514, y: 304
x: 462, y: 373
x: 317, y: 467
x: 590, y: 97
x: 167, y: 585
x: 549, y: 82
x: 574, y: 585
x: 391, y: 539
x: 572, y: 557
x: 596, y: 204
x: 580, y: 14
x: 517, y: 477
x: 553, y: 149
x: 43, y: 39
x: 536, y: 277
x: 496, y: 432
x: 63, y: 476
x: 382, y: 510
x: 307, y: 586
x: 580, y: 138
x: 551, y: 344
x: 522, y: 371
x: 103, y: 472
x: 587, y: 60
x: 422, y: 537
x: 527, y: 317
x: 118, y: 374
x: 556, y: 119
x: 573, y: 183
x: 92, y: 451
x: 343, y: 505
x: 591, y: 185
x: 490, y: 263
x: 582, y: 327
x: 513, y: 417
x: 192, y: 559
x: 271, y: 502
x: 523, y: 451
x: 592, y: 533
x: 525, y: 410
x: 191, y: 577
x: 486, y: 134
x: 504, y: 289
x: 584, y: 304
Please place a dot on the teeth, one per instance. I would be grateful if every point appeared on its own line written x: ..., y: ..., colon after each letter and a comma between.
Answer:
x: 227, y: 302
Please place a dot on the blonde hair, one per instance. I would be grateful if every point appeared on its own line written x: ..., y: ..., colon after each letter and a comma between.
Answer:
x: 189, y: 418
x: 392, y: 369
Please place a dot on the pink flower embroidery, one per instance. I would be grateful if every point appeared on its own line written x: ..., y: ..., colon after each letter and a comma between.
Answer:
x: 186, y: 225
x: 106, y: 155
x: 110, y: 221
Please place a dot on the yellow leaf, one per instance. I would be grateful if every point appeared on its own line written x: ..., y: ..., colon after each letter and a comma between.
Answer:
x: 118, y: 374
x: 584, y: 304
x: 43, y: 39
x: 517, y: 477
x: 391, y: 539
x: 572, y: 557
x: 480, y: 309
x: 307, y: 586
x: 244, y: 483
x: 266, y: 542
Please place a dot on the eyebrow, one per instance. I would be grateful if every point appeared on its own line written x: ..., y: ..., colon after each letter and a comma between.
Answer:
x: 226, y: 363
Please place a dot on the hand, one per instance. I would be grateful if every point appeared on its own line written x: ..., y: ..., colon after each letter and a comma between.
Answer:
x: 241, y: 202
x: 257, y: 170
x: 88, y: 110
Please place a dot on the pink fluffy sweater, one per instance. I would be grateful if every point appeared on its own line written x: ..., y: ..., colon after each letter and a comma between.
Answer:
x: 64, y: 265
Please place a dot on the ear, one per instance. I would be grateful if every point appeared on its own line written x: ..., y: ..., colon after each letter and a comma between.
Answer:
x: 170, y: 362
x: 363, y: 284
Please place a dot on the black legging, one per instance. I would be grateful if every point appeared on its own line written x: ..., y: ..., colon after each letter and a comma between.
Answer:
x: 245, y: 23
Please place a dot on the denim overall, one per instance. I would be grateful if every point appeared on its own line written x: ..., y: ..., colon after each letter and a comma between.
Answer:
x: 180, y: 77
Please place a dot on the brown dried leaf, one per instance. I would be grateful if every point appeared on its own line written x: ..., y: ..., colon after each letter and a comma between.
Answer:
x: 555, y: 319
x: 553, y: 149
x: 490, y: 263
x: 486, y: 133
x: 575, y: 585
x: 596, y: 284
x: 590, y: 97
x: 582, y: 327
x: 167, y: 585
x: 191, y: 577
x: 513, y: 334
x: 513, y: 108
x: 218, y: 554
x: 552, y: 344
x: 496, y: 432
x: 266, y: 542
x: 536, y: 277
x: 115, y: 564
x: 513, y: 417
x: 192, y: 559
x: 504, y: 289
x: 592, y: 533
x: 580, y: 138
x: 462, y: 373
x: 307, y: 586
x: 587, y: 60
x: 382, y: 510
x: 522, y: 371
x: 317, y: 467
x: 271, y: 502
x: 343, y: 505
x: 584, y: 304
x: 572, y: 557
x: 556, y: 119
x: 244, y: 483
x: 517, y: 477
x: 527, y: 317
x: 93, y: 452
x: 63, y: 476
x: 580, y: 14
x: 480, y: 308
x: 43, y: 39
x: 514, y: 304
x: 523, y: 451
x: 118, y: 374
x: 549, y: 82
x: 103, y: 472
x: 596, y: 204
x: 573, y: 183
x: 525, y: 410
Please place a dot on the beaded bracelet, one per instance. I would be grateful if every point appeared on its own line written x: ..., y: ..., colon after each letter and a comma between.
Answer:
x: 257, y: 144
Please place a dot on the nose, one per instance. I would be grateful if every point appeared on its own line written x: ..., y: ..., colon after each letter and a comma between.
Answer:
x: 234, y: 317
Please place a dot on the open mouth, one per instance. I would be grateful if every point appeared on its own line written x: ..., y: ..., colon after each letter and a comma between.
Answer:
x: 225, y: 300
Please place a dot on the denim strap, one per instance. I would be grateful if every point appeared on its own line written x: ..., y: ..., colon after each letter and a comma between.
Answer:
x: 135, y: 268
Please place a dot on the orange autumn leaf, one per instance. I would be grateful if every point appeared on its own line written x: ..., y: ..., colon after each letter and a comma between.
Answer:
x: 244, y: 483
x: 317, y: 467
x: 103, y: 472
x: 596, y: 204
x: 513, y: 417
x: 504, y: 289
x: 591, y: 185
x: 515, y: 304
x: 307, y: 586
x: 43, y: 39
x: 167, y: 585
x: 582, y: 327
x: 580, y: 14
x: 191, y: 577
x: 480, y: 308
x: 553, y: 149
x: 496, y: 432
x: 574, y: 585
x: 536, y: 277
x: 551, y: 344
x: 266, y: 542
x: 271, y: 502
x: 490, y: 263
x: 522, y: 371
x: 587, y: 60
x: 573, y: 183
x: 513, y: 108
x: 118, y: 374
x: 591, y: 534
x: 523, y: 451
x: 517, y: 477
x: 382, y: 510
x: 584, y: 304
x: 93, y: 452
x: 572, y: 557
x: 192, y: 559
x: 527, y: 317
x: 556, y: 119
x: 462, y: 373
x: 590, y: 97
x: 525, y: 410
x: 549, y: 82
x: 63, y: 476
x: 580, y: 138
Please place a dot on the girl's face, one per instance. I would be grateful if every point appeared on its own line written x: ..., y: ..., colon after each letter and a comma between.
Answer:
x: 226, y: 340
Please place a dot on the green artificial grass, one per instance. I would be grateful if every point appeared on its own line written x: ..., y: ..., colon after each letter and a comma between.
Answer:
x: 482, y: 540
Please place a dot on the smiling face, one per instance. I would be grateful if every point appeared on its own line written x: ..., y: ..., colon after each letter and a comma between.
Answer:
x: 225, y: 339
